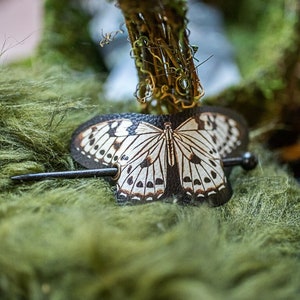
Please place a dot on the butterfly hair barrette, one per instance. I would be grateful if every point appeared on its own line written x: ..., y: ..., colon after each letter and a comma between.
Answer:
x: 185, y: 157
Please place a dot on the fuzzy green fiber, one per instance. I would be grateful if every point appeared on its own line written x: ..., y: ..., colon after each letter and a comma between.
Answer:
x: 67, y: 239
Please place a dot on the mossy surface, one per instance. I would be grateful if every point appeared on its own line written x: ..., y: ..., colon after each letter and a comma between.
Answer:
x: 67, y: 239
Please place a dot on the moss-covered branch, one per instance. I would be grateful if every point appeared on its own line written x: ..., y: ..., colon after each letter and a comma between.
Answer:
x: 168, y: 81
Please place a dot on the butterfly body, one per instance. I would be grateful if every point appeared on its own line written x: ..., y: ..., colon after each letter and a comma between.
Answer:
x: 177, y: 157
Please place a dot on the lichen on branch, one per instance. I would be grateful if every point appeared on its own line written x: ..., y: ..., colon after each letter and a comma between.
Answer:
x: 168, y: 80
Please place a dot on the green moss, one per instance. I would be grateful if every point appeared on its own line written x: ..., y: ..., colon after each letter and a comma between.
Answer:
x: 260, y: 36
x: 67, y: 239
x: 36, y: 107
x: 266, y: 38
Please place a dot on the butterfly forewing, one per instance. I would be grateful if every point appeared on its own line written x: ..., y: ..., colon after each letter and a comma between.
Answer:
x: 102, y: 144
x: 224, y: 131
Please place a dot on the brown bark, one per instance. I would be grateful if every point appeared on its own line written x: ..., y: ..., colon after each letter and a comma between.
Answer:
x: 168, y: 80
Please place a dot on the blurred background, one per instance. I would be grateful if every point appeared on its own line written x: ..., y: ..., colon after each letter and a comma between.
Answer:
x: 20, y: 28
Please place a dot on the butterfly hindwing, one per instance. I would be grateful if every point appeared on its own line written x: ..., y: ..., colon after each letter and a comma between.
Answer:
x: 199, y: 164
x: 144, y: 176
